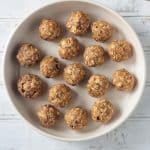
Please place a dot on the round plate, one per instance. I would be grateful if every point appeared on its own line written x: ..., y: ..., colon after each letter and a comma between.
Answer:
x: 27, y: 31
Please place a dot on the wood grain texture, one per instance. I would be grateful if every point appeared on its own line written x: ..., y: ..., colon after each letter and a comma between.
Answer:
x: 132, y: 135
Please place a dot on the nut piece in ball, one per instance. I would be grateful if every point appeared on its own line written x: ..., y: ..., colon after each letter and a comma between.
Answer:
x: 30, y: 86
x: 28, y: 55
x: 120, y: 50
x: 49, y: 29
x: 78, y: 23
x: 98, y: 85
x: 102, y: 111
x: 48, y: 115
x: 101, y: 30
x: 76, y: 118
x: 69, y: 48
x: 123, y: 80
x: 94, y: 55
x: 74, y: 74
x: 60, y: 95
x: 50, y: 67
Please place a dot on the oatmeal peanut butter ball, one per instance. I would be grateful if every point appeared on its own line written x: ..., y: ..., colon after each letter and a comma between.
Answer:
x: 30, y: 86
x: 102, y: 111
x: 97, y: 85
x: 50, y: 67
x: 69, y: 48
x: 74, y: 74
x: 49, y: 29
x: 120, y: 50
x: 76, y: 118
x: 123, y: 80
x: 48, y: 115
x: 28, y: 55
x: 78, y: 23
x: 94, y: 56
x: 101, y: 30
x: 60, y: 95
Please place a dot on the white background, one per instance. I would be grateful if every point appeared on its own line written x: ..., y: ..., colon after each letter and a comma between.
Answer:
x: 134, y: 134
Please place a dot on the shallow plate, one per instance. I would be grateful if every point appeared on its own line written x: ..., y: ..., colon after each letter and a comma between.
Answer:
x: 27, y: 32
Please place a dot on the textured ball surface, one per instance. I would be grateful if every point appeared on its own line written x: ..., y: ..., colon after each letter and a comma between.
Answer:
x: 76, y: 118
x: 78, y: 23
x: 48, y: 115
x: 30, y: 86
x: 28, y: 55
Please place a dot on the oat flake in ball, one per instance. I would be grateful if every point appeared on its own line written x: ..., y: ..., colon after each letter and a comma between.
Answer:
x: 94, y: 55
x: 60, y: 95
x: 78, y: 23
x: 123, y: 80
x: 101, y: 30
x: 49, y: 29
x: 48, y: 115
x: 98, y: 85
x: 120, y: 50
x: 76, y: 118
x: 74, y: 73
x: 102, y: 111
x: 30, y: 86
x: 50, y: 67
x: 28, y: 55
x: 69, y: 48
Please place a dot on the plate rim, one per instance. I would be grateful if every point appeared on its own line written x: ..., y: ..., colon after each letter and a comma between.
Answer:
x: 6, y: 86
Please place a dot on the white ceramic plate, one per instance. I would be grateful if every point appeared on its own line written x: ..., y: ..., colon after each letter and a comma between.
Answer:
x: 27, y: 32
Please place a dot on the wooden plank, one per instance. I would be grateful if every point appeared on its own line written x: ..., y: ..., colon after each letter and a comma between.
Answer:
x: 22, y: 138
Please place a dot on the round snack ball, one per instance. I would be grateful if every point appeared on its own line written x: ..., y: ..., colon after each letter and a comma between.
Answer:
x: 48, y: 115
x: 76, y: 118
x: 60, y: 95
x: 78, y: 23
x: 50, y: 67
x: 49, y: 29
x: 97, y: 85
x: 94, y: 56
x: 120, y: 50
x: 74, y: 73
x: 123, y: 80
x: 69, y: 48
x: 28, y: 55
x: 30, y: 86
x: 101, y: 30
x: 102, y: 111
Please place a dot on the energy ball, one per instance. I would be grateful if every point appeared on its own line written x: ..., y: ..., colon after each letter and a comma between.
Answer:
x: 78, y: 23
x: 28, y: 55
x: 94, y: 55
x: 48, y: 115
x: 101, y: 30
x: 74, y: 74
x: 49, y: 29
x: 97, y: 85
x: 123, y: 80
x: 60, y: 95
x: 76, y: 118
x: 50, y: 67
x: 102, y: 111
x: 120, y: 50
x: 69, y: 48
x: 30, y: 86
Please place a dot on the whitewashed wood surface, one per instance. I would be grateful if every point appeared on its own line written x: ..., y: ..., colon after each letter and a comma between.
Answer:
x: 134, y: 134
